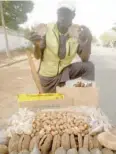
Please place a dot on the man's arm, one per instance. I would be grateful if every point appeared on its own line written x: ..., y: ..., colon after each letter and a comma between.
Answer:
x: 37, y: 52
x: 84, y: 51
x: 39, y: 45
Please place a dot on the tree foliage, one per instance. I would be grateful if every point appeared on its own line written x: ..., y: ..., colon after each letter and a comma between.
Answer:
x: 107, y: 37
x: 15, y: 12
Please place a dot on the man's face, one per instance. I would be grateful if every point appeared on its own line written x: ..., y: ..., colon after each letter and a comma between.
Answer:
x: 65, y: 17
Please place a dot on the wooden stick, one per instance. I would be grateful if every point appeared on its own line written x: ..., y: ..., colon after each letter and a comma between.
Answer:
x: 34, y: 73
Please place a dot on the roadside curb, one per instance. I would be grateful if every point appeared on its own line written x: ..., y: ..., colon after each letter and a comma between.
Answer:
x: 13, y: 62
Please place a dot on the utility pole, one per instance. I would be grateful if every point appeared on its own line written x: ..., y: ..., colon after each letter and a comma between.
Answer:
x: 5, y: 32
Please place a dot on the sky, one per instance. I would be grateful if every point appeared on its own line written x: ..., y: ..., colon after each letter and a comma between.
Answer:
x: 98, y: 15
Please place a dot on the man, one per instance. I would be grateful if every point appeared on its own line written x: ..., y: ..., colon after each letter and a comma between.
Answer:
x: 58, y: 49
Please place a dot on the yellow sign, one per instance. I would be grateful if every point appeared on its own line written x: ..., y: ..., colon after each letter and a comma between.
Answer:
x: 38, y: 97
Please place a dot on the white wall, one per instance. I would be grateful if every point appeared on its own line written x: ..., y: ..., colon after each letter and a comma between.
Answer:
x: 15, y: 41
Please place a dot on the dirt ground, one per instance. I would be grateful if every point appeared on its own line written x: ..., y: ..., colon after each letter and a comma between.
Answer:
x: 14, y: 55
x: 14, y: 80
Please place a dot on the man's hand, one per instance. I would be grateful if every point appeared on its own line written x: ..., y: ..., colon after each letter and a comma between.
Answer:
x: 85, y: 38
x: 38, y: 40
x: 34, y: 37
x: 85, y: 34
x: 40, y: 44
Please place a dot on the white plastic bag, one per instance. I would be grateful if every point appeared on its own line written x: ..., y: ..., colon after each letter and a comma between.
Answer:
x: 3, y: 137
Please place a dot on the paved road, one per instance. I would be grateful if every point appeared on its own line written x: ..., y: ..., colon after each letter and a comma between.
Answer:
x: 17, y: 79
x: 105, y: 63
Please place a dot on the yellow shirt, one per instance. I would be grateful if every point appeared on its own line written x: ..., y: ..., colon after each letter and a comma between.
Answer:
x: 52, y: 65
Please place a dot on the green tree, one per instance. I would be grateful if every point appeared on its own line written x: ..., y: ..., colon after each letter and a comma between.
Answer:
x: 15, y: 12
x: 107, y: 37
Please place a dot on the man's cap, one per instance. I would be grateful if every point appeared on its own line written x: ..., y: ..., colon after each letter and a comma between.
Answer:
x: 69, y: 4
